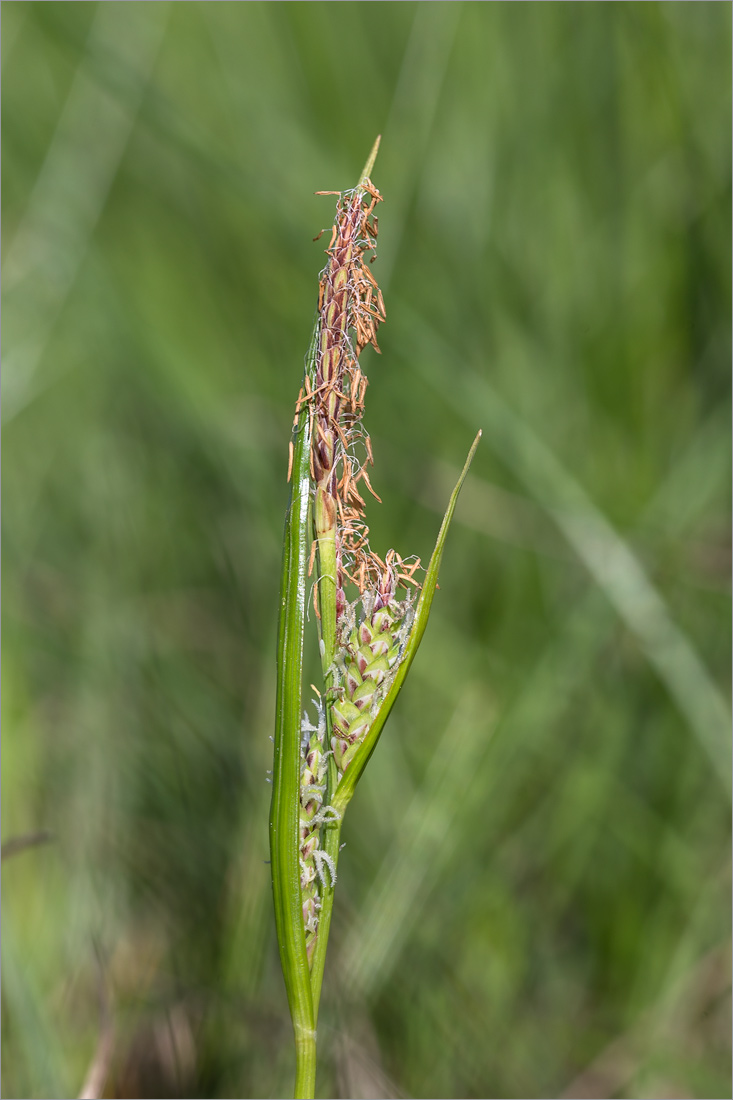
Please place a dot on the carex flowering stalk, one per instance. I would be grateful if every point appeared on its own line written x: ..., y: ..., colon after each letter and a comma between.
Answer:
x: 371, y: 613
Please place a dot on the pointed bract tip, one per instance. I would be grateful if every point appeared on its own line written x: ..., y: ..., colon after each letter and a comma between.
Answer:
x: 370, y: 160
x: 472, y: 452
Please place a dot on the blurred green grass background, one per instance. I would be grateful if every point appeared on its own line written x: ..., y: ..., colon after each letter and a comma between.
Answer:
x: 534, y: 896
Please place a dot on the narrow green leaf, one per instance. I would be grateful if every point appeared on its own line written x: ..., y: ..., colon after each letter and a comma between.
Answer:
x: 348, y: 783
x: 367, y: 169
x: 285, y: 806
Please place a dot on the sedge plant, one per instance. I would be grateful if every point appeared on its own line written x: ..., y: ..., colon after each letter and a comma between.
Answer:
x: 371, y: 614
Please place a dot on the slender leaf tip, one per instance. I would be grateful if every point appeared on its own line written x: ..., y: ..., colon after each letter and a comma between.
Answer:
x: 370, y: 160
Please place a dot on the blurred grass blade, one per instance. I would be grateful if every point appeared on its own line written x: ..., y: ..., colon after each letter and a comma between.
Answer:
x: 347, y: 786
x: 607, y: 556
x: 284, y: 810
x: 421, y: 848
x: 52, y: 241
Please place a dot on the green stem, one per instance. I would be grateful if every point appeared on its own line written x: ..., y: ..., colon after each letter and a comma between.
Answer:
x: 305, y: 1065
x: 325, y: 530
x: 330, y: 832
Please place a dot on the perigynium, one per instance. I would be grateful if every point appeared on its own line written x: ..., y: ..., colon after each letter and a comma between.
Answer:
x: 371, y: 613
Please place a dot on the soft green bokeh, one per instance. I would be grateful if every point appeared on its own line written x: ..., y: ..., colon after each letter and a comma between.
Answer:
x: 534, y: 896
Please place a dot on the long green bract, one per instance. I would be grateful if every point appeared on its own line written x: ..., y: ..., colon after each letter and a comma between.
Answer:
x: 285, y: 806
x: 346, y: 787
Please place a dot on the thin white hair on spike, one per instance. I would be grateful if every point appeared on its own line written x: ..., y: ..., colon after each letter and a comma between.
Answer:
x: 405, y: 628
x: 313, y: 791
x: 367, y: 604
x: 319, y: 859
x: 327, y: 814
x: 305, y: 731
x: 306, y: 823
x: 306, y: 726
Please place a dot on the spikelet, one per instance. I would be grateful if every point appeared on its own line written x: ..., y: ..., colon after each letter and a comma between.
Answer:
x: 367, y: 664
x: 313, y: 769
